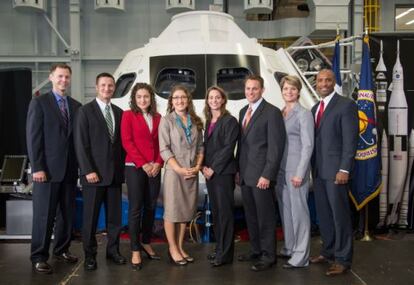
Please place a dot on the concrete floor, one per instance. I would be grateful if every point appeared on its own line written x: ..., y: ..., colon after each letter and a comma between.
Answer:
x: 378, y: 262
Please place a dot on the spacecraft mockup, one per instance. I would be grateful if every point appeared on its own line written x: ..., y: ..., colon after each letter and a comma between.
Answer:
x: 381, y: 82
x: 203, y: 48
x: 397, y: 141
x: 383, y: 196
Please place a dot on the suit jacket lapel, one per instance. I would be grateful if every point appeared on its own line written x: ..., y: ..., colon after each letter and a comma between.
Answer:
x: 100, y: 117
x: 117, y: 123
x: 328, y: 109
x: 218, y: 124
x: 70, y: 107
x: 256, y: 114
x: 144, y: 122
x: 55, y: 108
x: 293, y: 112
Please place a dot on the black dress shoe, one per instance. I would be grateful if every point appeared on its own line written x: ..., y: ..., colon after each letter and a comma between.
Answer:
x: 248, y: 257
x: 151, y: 256
x: 67, y: 257
x: 42, y: 267
x: 90, y: 264
x: 261, y: 265
x: 218, y: 263
x: 284, y: 256
x: 116, y: 258
x: 211, y: 256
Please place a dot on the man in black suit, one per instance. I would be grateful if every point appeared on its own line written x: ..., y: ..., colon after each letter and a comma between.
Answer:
x: 336, y: 138
x: 260, y: 152
x: 51, y: 152
x: 101, y: 161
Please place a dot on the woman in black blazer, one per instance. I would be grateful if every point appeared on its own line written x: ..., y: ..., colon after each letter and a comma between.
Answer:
x: 220, y: 137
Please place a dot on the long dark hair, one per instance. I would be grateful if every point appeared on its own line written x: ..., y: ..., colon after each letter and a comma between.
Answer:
x: 190, y: 108
x: 152, y: 109
x: 207, y: 110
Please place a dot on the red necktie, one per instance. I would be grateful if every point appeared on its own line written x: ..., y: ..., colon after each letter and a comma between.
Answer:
x: 320, y: 113
x: 247, y: 118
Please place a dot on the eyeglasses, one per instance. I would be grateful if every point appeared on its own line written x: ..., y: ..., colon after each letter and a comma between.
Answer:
x: 179, y: 98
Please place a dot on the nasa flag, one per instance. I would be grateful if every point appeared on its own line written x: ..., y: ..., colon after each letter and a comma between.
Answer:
x: 336, y: 66
x: 366, y: 179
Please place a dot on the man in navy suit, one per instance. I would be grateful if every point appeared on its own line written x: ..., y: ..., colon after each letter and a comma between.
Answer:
x: 101, y: 162
x: 336, y: 138
x: 50, y: 147
x: 260, y: 151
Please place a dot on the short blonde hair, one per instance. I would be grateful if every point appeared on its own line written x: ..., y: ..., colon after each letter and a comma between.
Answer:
x: 291, y: 80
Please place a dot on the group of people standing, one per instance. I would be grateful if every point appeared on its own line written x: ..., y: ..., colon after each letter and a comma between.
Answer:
x: 273, y: 158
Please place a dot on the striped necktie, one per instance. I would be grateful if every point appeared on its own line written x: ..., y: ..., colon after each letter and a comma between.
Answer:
x: 109, y: 122
x: 64, y: 112
x: 247, y: 118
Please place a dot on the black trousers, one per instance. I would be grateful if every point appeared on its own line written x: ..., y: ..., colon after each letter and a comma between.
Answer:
x: 260, y: 213
x: 53, y: 206
x: 143, y: 193
x: 221, y: 192
x: 335, y: 222
x: 93, y: 197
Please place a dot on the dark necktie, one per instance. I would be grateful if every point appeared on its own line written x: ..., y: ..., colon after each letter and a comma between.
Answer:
x: 247, y: 118
x: 109, y: 122
x: 320, y: 113
x: 64, y: 111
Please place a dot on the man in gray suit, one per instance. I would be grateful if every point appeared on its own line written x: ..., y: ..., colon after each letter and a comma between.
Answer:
x: 260, y: 151
x: 336, y: 137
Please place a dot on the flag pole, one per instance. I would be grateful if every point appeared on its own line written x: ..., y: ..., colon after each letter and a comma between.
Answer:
x: 367, y: 236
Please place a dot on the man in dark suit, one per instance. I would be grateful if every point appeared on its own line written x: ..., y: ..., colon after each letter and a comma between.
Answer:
x: 101, y: 159
x: 260, y: 151
x: 51, y: 152
x: 336, y: 137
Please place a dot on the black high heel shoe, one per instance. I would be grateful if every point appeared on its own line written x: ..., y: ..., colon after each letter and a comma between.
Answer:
x: 151, y: 256
x: 136, y: 266
x: 180, y: 262
x: 189, y: 259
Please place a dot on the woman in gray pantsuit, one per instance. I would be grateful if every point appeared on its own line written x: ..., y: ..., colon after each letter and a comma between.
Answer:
x: 293, y: 178
x: 181, y: 147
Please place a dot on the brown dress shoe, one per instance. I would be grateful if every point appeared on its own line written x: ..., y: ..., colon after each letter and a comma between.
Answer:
x: 42, y: 267
x: 336, y: 269
x: 318, y: 259
x: 67, y: 257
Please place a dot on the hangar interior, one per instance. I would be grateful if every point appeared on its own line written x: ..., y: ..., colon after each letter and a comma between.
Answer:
x: 94, y: 36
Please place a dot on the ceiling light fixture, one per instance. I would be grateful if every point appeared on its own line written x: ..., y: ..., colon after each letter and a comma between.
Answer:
x: 404, y: 13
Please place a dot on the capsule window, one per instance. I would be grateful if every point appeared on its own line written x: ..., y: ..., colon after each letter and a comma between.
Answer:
x: 123, y: 84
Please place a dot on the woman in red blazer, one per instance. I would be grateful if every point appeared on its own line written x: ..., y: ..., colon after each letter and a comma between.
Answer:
x: 139, y: 132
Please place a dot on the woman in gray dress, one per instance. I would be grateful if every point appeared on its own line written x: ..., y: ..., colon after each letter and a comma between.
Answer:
x: 181, y: 147
x: 293, y: 178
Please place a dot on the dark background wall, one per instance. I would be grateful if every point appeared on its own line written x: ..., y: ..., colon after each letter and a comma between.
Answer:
x: 15, y: 95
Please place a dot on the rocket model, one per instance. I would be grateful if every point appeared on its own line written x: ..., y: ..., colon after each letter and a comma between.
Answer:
x: 383, y: 196
x: 402, y: 220
x: 397, y: 140
x: 381, y: 83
